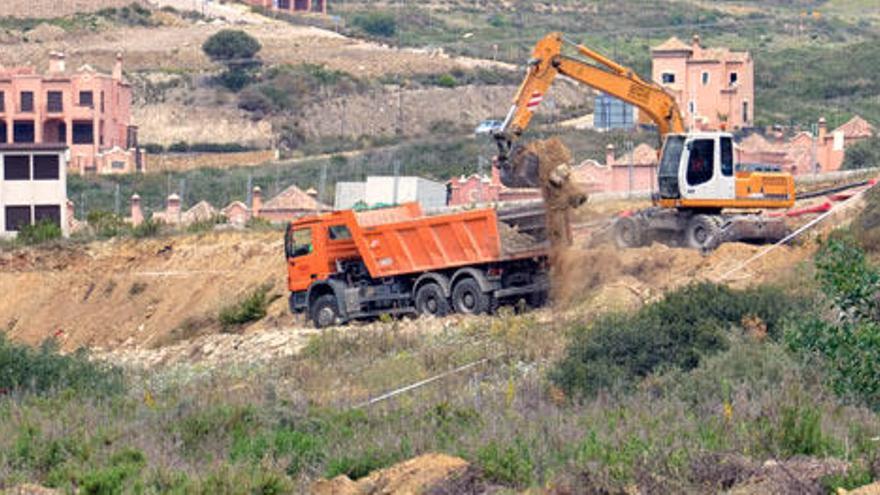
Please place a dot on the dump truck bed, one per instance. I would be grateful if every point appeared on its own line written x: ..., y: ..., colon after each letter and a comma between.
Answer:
x: 401, y: 240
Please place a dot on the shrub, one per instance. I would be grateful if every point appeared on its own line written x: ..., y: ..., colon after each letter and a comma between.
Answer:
x: 237, y: 50
x: 297, y: 448
x: 511, y: 464
x: 800, y: 432
x: 44, y: 370
x: 377, y: 23
x: 447, y: 81
x: 40, y: 232
x: 676, y: 332
x: 147, y: 228
x: 105, y: 223
x: 849, y: 341
x: 251, y: 308
x: 863, y: 154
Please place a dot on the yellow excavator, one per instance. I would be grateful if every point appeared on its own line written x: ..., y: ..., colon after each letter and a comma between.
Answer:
x: 698, y: 181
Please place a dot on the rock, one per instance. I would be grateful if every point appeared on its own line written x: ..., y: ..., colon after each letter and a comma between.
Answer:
x: 417, y: 475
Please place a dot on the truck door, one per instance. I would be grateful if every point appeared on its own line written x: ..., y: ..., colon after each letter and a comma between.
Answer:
x: 707, y: 171
x: 303, y: 260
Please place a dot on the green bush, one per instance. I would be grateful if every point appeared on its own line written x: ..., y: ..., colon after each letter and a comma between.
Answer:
x: 800, y: 432
x: 114, y: 478
x: 856, y: 476
x: 40, y: 232
x: 863, y: 154
x: 676, y: 332
x: 377, y: 23
x: 43, y: 370
x: 508, y: 464
x: 105, y: 224
x: 848, y: 342
x: 251, y: 308
x: 147, y: 228
x: 298, y: 449
x: 447, y: 81
x: 287, y: 87
x: 237, y: 50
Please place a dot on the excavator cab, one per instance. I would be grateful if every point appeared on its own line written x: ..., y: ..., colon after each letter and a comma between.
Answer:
x: 697, y: 166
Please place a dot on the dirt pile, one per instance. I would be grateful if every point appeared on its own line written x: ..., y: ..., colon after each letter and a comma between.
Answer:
x: 418, y: 475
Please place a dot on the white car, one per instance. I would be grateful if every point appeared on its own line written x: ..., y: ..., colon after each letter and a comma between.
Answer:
x: 488, y: 127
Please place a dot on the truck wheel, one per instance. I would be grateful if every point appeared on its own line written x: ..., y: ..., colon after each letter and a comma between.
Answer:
x: 700, y: 232
x: 325, y: 311
x: 538, y: 299
x: 469, y: 299
x: 431, y: 301
x: 627, y: 233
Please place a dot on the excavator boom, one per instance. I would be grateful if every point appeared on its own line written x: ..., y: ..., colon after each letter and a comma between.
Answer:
x: 546, y: 64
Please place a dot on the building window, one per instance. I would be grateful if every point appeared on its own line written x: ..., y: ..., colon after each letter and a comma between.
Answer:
x: 668, y: 78
x: 705, y: 78
x: 117, y: 165
x: 54, y: 102
x: 46, y: 167
x: 3, y: 130
x: 102, y: 101
x: 23, y: 131
x: 86, y: 99
x: 16, y: 167
x: 2, y: 101
x: 83, y: 133
x: 17, y: 217
x: 745, y: 115
x: 48, y: 212
x: 27, y: 101
x: 734, y: 77
x: 692, y: 107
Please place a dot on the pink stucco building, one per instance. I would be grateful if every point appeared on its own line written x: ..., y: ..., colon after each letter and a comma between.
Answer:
x: 474, y: 189
x: 714, y: 87
x: 802, y: 153
x: 316, y: 6
x: 616, y: 174
x: 87, y: 110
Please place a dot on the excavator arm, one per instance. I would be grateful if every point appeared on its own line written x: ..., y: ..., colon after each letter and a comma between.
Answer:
x: 548, y: 62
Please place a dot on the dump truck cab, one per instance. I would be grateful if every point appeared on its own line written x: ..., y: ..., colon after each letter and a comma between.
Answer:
x: 345, y: 264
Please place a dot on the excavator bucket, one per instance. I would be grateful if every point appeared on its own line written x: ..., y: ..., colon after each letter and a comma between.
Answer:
x: 520, y: 167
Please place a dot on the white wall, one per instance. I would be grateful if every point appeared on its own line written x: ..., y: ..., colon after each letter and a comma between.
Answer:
x: 33, y: 192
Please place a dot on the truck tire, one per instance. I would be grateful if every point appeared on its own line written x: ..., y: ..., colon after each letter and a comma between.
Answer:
x: 700, y: 232
x: 325, y: 311
x: 628, y: 233
x: 469, y: 299
x: 431, y: 301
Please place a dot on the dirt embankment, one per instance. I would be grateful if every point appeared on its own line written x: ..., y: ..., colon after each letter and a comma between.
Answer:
x: 136, y: 293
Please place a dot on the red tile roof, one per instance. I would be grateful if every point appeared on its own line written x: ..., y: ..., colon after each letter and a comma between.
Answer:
x: 857, y: 127
x: 292, y: 198
x: 672, y: 45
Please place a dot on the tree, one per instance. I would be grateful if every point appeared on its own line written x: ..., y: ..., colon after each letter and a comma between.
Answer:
x: 863, y: 154
x: 237, y: 50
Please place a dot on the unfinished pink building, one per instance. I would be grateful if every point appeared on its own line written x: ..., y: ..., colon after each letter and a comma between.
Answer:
x: 316, y: 6
x: 714, y: 87
x: 88, y: 111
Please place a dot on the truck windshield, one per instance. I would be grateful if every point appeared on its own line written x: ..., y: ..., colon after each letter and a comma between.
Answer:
x: 671, y: 156
x: 298, y: 242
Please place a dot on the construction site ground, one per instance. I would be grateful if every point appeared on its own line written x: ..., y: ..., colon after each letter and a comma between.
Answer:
x: 155, y: 302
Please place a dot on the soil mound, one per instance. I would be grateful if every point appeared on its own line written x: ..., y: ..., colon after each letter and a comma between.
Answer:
x: 418, y: 475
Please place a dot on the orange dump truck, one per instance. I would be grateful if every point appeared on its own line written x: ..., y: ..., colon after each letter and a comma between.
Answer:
x: 346, y: 265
